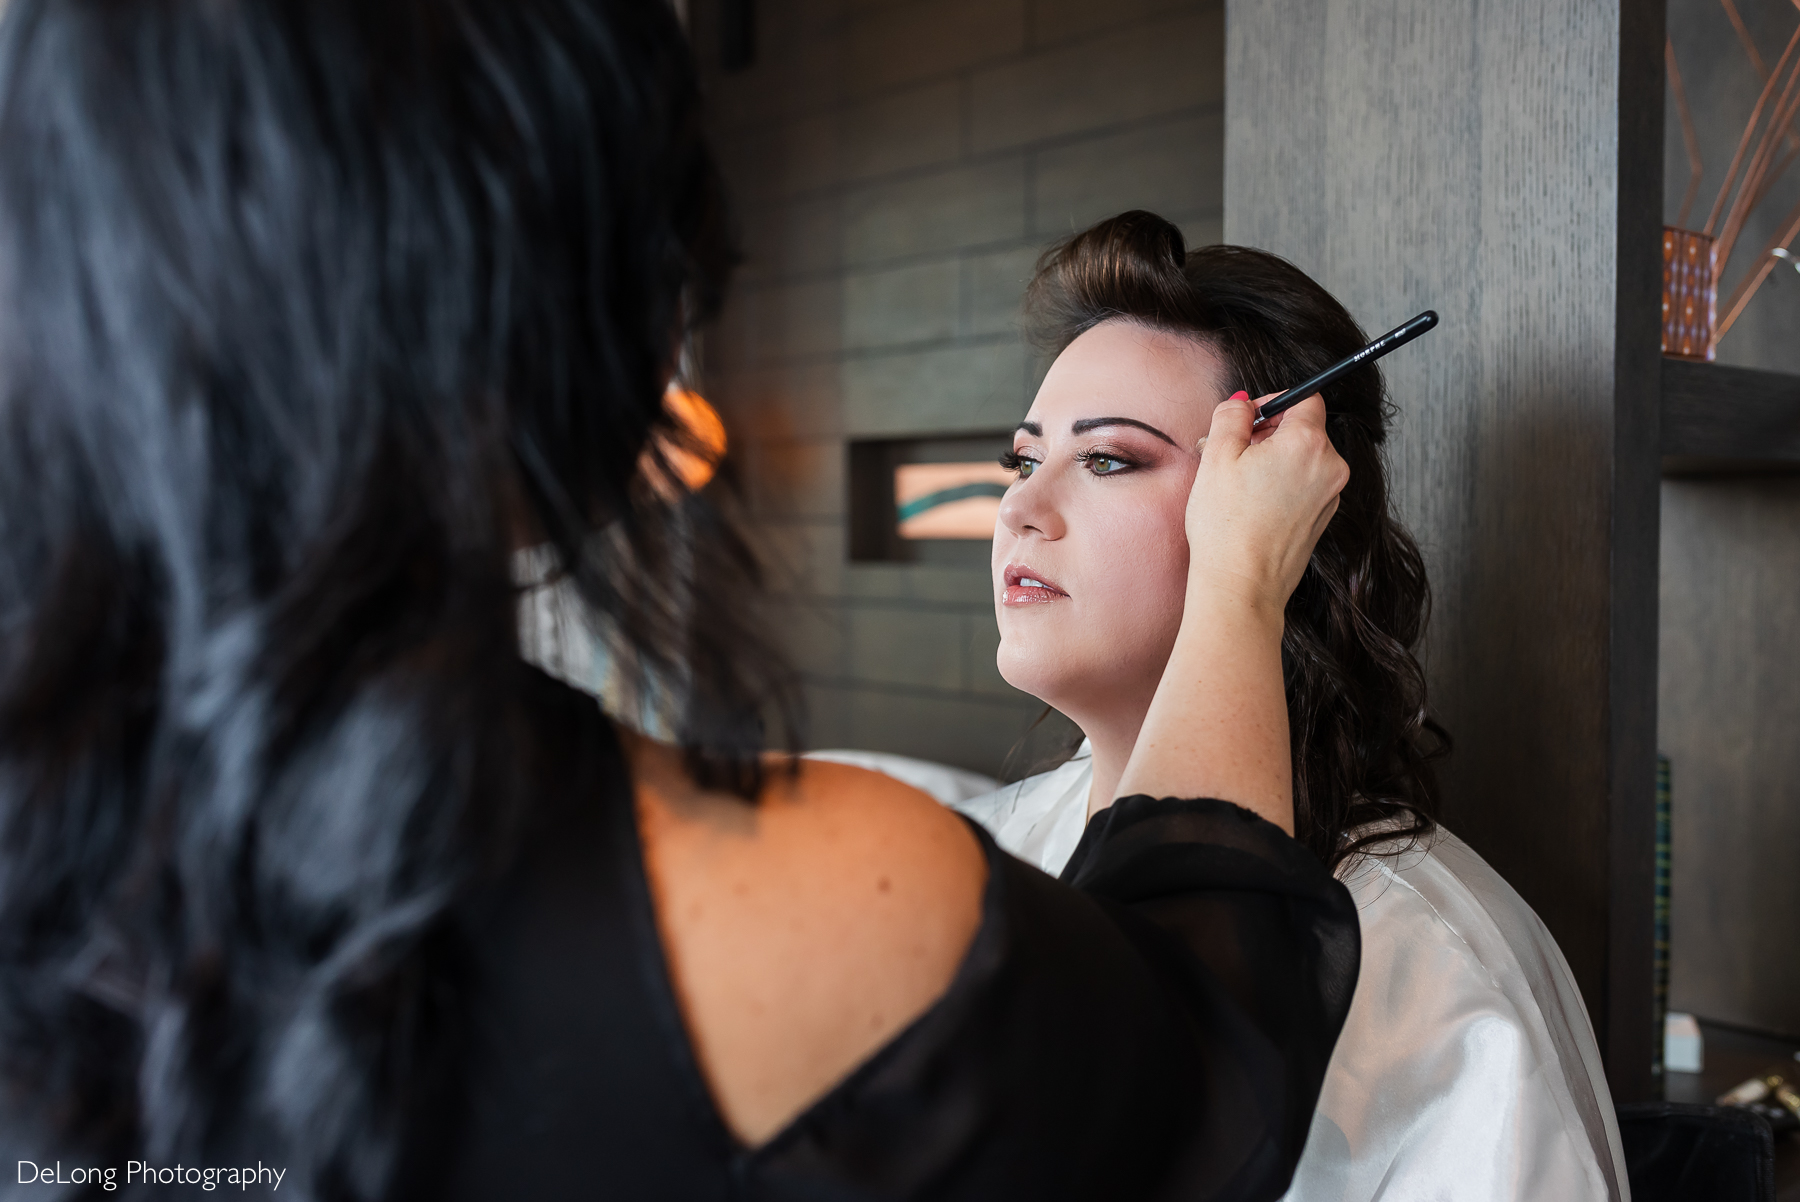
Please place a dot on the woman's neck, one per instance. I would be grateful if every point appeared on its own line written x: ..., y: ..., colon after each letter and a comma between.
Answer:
x: 1111, y: 736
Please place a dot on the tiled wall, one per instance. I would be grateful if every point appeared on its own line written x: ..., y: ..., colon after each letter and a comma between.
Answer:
x: 897, y: 167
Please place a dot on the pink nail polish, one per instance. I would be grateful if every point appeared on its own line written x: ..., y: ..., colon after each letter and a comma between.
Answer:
x: 1240, y: 395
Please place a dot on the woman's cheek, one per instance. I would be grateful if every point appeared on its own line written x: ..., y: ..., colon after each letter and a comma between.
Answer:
x: 1152, y: 538
x: 1130, y: 586
x: 1146, y: 581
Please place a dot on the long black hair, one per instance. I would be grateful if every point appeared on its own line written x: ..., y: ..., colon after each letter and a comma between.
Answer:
x: 311, y: 313
x: 1363, y: 740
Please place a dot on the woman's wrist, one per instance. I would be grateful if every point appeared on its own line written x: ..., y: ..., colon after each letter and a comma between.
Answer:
x: 1241, y: 602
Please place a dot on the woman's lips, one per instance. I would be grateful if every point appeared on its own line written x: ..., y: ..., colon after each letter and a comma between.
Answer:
x: 1024, y: 586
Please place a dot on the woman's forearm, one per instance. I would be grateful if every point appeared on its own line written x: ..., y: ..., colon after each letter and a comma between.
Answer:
x: 1218, y: 724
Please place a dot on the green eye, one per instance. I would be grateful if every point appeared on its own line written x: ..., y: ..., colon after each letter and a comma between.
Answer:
x: 1104, y: 465
x: 1012, y: 461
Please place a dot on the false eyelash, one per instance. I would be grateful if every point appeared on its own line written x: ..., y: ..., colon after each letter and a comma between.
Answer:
x: 1012, y: 461
x: 1102, y: 453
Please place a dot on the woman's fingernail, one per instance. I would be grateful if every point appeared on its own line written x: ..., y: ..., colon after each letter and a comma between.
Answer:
x: 1239, y: 395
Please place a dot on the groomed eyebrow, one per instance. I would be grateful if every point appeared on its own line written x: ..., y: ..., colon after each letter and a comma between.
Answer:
x: 1031, y: 428
x: 1095, y: 423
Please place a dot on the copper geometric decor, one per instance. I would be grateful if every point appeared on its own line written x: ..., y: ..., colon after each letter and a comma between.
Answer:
x: 1690, y: 294
x: 1692, y: 321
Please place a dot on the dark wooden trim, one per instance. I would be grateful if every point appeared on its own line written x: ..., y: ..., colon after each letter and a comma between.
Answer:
x: 869, y: 477
x: 1410, y: 154
x: 1627, y: 1016
x: 1719, y: 420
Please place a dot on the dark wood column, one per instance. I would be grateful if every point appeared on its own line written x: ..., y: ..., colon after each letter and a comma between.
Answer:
x: 1502, y: 163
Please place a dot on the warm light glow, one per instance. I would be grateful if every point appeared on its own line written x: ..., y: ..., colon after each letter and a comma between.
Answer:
x: 695, y: 462
x: 949, y: 500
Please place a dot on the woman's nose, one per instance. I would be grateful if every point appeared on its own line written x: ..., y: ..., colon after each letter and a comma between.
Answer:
x: 1030, y: 507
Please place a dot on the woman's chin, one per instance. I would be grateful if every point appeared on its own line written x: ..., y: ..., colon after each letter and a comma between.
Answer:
x: 1031, y: 675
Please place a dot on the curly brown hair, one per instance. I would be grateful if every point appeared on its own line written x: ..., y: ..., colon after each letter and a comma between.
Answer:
x: 1363, y: 740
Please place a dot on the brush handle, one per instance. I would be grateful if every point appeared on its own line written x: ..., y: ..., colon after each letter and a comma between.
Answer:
x: 1392, y: 340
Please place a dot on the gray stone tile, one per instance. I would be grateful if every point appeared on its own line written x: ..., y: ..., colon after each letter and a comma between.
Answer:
x: 726, y: 338
x: 776, y: 402
x: 828, y: 715
x: 1037, y: 366
x: 975, y: 387
x: 918, y: 127
x: 1141, y: 71
x: 984, y: 679
x: 1170, y: 167
x: 967, y: 588
x: 750, y: 160
x: 994, y: 287
x: 797, y: 71
x: 801, y: 557
x: 1202, y: 231
x: 797, y: 479
x: 813, y: 635
x: 917, y: 303
x: 921, y: 648
x: 776, y: 323
x: 790, y: 237
x: 937, y: 212
x: 970, y: 733
x: 1054, y: 21
x: 892, y: 45
x: 785, y: 21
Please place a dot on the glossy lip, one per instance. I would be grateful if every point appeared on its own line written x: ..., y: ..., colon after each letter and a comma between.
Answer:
x: 1020, y: 594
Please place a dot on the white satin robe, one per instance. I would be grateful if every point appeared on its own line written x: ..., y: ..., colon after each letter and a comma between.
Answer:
x: 1467, y: 1069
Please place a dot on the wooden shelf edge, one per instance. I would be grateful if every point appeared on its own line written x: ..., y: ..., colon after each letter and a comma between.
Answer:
x: 1728, y: 421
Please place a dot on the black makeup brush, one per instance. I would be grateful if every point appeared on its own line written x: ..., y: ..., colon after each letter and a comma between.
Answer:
x: 1392, y: 340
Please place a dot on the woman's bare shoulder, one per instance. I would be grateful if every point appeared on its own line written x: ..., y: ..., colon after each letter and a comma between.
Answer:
x: 847, y: 810
x: 804, y: 931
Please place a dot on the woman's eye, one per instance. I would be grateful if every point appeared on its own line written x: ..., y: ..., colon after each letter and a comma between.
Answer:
x: 1104, y: 465
x: 1012, y: 461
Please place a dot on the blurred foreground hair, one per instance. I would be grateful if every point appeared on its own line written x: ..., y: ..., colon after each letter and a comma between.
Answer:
x: 314, y: 311
x: 1363, y: 740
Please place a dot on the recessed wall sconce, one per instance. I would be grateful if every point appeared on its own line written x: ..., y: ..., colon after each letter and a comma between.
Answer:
x: 948, y: 500
x: 926, y: 500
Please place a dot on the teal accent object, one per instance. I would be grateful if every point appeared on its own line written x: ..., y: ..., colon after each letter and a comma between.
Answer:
x: 944, y: 496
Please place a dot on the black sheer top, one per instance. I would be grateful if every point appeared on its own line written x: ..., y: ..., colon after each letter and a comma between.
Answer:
x: 1154, y: 1026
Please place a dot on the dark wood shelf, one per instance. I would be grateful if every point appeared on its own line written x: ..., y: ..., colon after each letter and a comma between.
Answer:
x: 1728, y: 421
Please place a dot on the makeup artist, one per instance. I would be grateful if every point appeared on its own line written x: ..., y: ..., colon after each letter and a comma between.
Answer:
x: 314, y: 312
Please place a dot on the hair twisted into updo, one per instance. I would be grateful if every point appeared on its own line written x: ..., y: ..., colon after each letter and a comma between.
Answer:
x: 1363, y: 740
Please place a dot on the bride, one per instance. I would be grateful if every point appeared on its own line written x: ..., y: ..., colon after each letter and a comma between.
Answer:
x: 1468, y: 1067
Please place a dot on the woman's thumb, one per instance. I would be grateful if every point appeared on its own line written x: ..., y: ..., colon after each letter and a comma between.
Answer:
x: 1232, y: 420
